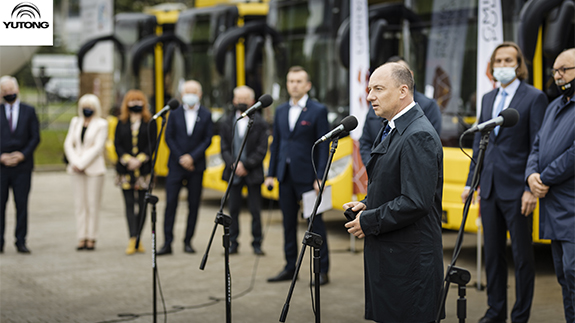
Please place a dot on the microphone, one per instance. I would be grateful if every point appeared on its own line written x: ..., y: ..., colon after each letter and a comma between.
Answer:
x: 507, y: 118
x: 263, y: 102
x: 172, y: 105
x: 347, y: 124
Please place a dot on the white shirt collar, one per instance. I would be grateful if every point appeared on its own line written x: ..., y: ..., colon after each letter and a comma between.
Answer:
x: 511, y: 88
x: 301, y: 102
x: 402, y: 112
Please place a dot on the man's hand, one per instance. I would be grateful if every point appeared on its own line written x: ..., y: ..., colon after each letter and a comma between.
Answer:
x: 528, y: 203
x: 537, y: 187
x: 241, y: 170
x: 465, y: 195
x: 133, y: 164
x: 269, y: 182
x: 12, y: 159
x: 356, y: 206
x: 316, y: 185
x: 187, y: 162
x: 354, y: 227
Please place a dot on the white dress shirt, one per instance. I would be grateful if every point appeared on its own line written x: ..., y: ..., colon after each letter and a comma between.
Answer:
x: 15, y: 112
x: 191, y: 115
x: 295, y: 110
x: 242, y: 124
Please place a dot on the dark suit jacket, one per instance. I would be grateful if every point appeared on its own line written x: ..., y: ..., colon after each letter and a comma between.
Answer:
x: 255, y: 149
x: 402, y: 223
x: 296, y: 145
x: 180, y: 143
x: 373, y: 123
x: 507, y: 153
x: 553, y: 156
x: 123, y: 144
x: 25, y: 138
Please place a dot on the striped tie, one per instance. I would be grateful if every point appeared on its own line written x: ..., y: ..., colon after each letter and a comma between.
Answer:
x: 386, y: 132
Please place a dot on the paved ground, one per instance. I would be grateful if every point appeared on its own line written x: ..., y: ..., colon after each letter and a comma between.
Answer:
x: 58, y: 284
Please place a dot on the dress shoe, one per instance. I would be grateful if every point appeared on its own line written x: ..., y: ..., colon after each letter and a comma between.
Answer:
x: 166, y: 250
x: 91, y: 245
x: 323, y: 279
x: 188, y: 248
x: 283, y: 276
x: 233, y: 250
x: 81, y: 245
x: 22, y: 248
x: 258, y: 251
x: 490, y: 320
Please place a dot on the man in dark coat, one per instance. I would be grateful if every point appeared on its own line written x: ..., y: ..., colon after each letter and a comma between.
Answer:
x: 20, y: 133
x: 249, y: 171
x: 297, y: 125
x: 373, y: 123
x: 401, y: 215
x: 506, y: 202
x: 188, y: 134
x: 550, y: 174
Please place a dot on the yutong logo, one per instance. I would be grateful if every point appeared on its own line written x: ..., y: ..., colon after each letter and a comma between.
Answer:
x: 26, y: 10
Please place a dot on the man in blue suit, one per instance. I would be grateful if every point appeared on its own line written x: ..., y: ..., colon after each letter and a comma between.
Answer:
x: 188, y: 134
x: 20, y: 133
x: 550, y: 174
x: 506, y: 201
x: 298, y: 124
x: 373, y: 122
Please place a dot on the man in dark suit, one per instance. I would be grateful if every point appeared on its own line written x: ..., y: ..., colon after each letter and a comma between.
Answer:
x: 400, y: 218
x: 20, y: 136
x: 373, y: 122
x: 188, y: 134
x: 550, y: 174
x: 506, y: 202
x: 249, y: 171
x: 298, y: 124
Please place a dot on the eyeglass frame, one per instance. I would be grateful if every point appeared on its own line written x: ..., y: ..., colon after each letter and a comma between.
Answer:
x: 561, y: 70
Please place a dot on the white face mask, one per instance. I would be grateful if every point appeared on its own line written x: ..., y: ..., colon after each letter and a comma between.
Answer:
x: 504, y: 74
x: 190, y: 99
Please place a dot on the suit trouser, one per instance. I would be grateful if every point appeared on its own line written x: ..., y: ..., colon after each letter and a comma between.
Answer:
x: 20, y: 181
x: 499, y: 216
x: 254, y: 204
x: 564, y: 262
x: 174, y: 182
x: 134, y: 220
x: 290, y: 196
x: 87, y: 198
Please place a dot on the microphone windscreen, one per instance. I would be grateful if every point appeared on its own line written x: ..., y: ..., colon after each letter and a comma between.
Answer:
x: 266, y: 100
x: 173, y: 104
x: 510, y: 117
x: 349, y: 123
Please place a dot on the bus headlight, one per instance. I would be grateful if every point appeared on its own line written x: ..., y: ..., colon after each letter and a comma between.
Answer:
x: 338, y: 167
x: 214, y: 160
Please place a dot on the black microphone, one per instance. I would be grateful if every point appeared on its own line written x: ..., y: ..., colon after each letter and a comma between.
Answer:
x: 347, y: 124
x: 507, y: 118
x: 263, y: 102
x: 172, y: 105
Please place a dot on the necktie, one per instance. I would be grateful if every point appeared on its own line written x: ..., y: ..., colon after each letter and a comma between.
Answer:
x: 499, y: 108
x: 386, y: 132
x: 10, y: 120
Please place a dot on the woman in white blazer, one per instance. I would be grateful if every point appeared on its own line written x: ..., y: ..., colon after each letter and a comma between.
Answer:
x: 84, y: 148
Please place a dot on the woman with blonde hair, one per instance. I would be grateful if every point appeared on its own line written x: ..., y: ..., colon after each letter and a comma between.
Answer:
x: 84, y: 149
x: 135, y: 140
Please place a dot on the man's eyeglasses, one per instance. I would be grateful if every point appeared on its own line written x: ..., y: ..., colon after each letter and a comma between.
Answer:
x: 561, y: 70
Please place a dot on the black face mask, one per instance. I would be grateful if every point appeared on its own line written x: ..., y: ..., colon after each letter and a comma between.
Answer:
x: 10, y: 97
x: 567, y: 89
x: 242, y: 107
x: 136, y: 108
x: 87, y: 112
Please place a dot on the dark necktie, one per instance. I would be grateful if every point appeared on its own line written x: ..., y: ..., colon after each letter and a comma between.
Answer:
x: 386, y: 132
x: 11, y: 119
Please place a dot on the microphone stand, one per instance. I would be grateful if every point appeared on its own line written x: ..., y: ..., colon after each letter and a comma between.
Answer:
x: 153, y: 200
x: 226, y: 220
x: 455, y: 274
x: 315, y: 241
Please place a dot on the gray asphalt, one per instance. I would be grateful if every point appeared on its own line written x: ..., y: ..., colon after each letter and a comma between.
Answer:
x: 56, y: 283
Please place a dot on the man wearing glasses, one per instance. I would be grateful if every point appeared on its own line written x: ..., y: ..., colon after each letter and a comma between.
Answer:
x: 550, y: 175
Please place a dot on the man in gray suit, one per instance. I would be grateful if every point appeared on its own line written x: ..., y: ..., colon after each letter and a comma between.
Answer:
x: 400, y: 218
